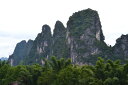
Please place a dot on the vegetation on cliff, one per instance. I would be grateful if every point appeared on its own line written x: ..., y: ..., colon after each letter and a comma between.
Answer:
x: 59, y: 47
x: 85, y: 36
x: 80, y: 21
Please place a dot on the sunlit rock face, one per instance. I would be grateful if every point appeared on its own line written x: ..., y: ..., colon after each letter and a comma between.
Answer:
x: 84, y: 33
x: 22, y: 50
x: 41, y: 46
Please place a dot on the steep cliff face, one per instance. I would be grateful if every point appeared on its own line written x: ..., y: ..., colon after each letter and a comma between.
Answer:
x: 84, y: 36
x: 121, y: 47
x: 22, y: 50
x: 41, y: 46
x: 59, y: 47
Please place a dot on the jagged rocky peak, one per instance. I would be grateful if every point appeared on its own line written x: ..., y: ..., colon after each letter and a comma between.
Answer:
x: 85, y: 20
x: 46, y: 29
x: 121, y: 47
x: 42, y: 46
x: 122, y: 40
x: 21, y: 50
x: 19, y: 47
x: 30, y: 41
x: 44, y: 39
x: 59, y: 29
x: 59, y: 48
x: 83, y: 34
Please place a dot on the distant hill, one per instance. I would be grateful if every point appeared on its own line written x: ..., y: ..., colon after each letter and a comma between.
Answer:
x: 3, y: 58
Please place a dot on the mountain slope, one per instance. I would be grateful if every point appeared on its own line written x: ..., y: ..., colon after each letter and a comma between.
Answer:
x: 121, y: 48
x: 21, y: 51
x: 59, y: 46
x: 41, y: 46
x: 83, y: 35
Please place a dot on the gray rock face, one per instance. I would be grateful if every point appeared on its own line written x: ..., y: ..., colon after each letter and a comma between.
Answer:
x: 59, y: 47
x: 121, y: 47
x: 83, y: 34
x: 22, y: 50
x: 41, y: 46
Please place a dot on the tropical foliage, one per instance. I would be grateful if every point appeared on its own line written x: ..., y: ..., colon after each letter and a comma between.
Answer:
x: 62, y: 72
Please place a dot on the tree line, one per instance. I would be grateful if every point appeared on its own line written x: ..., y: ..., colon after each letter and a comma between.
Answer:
x: 62, y: 72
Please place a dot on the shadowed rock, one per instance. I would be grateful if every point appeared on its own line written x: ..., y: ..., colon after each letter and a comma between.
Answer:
x: 21, y: 51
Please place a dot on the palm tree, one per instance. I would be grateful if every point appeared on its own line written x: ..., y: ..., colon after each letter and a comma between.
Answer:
x: 57, y: 65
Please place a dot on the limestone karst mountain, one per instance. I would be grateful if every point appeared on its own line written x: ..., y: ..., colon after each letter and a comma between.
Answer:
x: 82, y: 41
x: 41, y: 46
x: 121, y: 48
x: 21, y: 51
x: 59, y: 46
x: 83, y: 34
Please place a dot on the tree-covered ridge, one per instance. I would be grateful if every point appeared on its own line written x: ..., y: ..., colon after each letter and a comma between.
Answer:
x: 59, y: 47
x: 62, y: 72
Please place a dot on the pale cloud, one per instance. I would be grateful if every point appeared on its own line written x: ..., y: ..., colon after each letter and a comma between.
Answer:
x: 17, y: 35
x: 23, y: 19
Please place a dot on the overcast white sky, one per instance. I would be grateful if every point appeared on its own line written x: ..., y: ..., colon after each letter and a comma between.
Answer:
x: 23, y: 19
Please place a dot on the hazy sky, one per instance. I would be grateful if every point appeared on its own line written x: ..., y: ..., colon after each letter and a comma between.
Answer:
x: 23, y: 19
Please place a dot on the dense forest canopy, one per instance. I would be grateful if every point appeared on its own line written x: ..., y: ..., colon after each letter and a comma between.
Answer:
x: 62, y: 72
